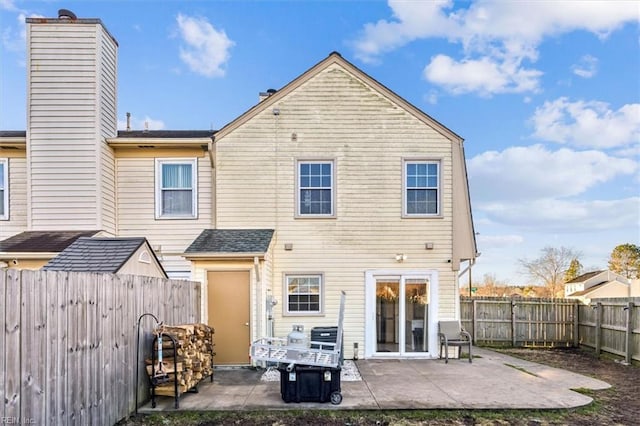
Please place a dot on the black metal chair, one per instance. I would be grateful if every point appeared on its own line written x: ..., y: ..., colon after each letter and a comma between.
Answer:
x: 451, y: 333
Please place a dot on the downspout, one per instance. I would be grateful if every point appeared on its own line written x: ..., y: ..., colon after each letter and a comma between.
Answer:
x: 259, y: 297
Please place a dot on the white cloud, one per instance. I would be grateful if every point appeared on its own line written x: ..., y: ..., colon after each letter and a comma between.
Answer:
x: 431, y: 97
x: 520, y: 174
x: 587, y: 124
x: 494, y: 241
x: 497, y: 36
x: 206, y: 49
x: 485, y: 76
x: 563, y: 216
x: 537, y: 189
x: 587, y: 67
x: 14, y: 39
x: 145, y: 123
x: 8, y: 5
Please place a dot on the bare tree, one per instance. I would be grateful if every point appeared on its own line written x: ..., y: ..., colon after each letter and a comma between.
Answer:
x: 550, y: 268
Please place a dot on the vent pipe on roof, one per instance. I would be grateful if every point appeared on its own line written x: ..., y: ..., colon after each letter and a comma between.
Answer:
x: 128, y: 122
x: 66, y: 14
x: 264, y: 95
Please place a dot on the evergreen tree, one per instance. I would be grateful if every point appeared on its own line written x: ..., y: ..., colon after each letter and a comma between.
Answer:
x: 625, y: 260
x: 574, y: 270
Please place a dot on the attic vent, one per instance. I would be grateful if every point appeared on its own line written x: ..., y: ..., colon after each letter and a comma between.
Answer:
x: 66, y: 14
x: 144, y: 257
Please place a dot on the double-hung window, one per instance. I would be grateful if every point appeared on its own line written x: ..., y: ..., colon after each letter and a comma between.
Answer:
x: 176, y: 188
x: 4, y: 189
x: 315, y: 188
x: 422, y: 188
x: 304, y: 294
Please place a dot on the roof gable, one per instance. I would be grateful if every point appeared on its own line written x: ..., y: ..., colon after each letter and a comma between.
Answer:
x: 593, y: 278
x: 336, y: 59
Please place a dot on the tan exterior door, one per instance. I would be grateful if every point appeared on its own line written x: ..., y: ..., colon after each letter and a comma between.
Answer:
x: 228, y: 308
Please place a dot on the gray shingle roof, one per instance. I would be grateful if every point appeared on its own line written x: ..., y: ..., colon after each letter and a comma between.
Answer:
x: 584, y: 277
x: 13, y: 133
x: 165, y: 133
x: 42, y: 241
x: 106, y: 255
x: 231, y: 241
x: 133, y: 133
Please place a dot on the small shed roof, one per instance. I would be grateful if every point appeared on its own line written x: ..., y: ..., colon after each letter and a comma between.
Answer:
x: 105, y: 255
x: 42, y: 241
x: 231, y: 241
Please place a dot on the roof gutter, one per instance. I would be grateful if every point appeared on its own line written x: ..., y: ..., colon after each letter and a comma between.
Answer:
x: 120, y: 142
x: 224, y: 256
x: 27, y: 255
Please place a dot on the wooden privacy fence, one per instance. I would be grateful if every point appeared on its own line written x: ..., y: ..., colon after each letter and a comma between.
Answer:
x: 609, y: 325
x: 68, y: 342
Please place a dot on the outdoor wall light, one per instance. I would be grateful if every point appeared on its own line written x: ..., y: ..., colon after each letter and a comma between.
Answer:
x: 400, y: 257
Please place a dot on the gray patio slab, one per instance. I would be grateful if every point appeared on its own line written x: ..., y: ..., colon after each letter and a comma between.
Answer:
x: 492, y: 381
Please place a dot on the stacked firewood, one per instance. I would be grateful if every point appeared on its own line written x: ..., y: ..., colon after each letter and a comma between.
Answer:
x: 193, y: 359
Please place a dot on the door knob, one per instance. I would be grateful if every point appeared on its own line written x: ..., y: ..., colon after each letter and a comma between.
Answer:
x: 247, y: 324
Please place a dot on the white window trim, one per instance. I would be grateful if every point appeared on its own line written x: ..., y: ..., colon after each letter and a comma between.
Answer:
x: 299, y: 162
x: 407, y: 161
x: 285, y: 292
x: 5, y: 171
x: 158, y: 190
x: 370, y: 308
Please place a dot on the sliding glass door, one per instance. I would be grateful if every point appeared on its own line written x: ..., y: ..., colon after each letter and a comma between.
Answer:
x: 401, y: 314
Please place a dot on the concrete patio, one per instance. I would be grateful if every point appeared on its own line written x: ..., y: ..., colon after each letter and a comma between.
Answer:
x: 492, y: 381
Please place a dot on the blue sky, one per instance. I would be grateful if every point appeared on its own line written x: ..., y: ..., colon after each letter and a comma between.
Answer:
x: 546, y: 94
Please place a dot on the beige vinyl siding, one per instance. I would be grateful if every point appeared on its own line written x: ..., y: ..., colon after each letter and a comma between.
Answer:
x: 335, y: 116
x: 136, y: 204
x: 108, y: 126
x: 17, y: 187
x: 70, y: 109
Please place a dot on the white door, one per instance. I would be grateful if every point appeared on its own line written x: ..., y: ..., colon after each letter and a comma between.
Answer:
x: 399, y: 312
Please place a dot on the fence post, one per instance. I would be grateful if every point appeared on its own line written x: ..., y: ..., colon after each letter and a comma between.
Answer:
x: 576, y: 324
x: 474, y: 322
x: 629, y: 333
x: 598, y: 327
x: 513, y: 323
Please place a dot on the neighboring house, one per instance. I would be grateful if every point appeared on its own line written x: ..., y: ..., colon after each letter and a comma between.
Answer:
x: 122, y: 256
x: 597, y: 284
x: 33, y: 249
x: 332, y: 183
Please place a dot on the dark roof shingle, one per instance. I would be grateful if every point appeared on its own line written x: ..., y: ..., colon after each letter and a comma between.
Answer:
x: 584, y: 277
x: 231, y: 241
x: 106, y: 255
x: 42, y: 241
x: 165, y: 133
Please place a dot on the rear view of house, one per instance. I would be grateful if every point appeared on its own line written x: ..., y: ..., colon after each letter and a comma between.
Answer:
x: 332, y: 183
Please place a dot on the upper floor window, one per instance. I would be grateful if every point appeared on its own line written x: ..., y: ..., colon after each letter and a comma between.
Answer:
x: 176, y: 188
x: 422, y: 188
x: 315, y: 188
x: 304, y: 294
x: 4, y: 189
